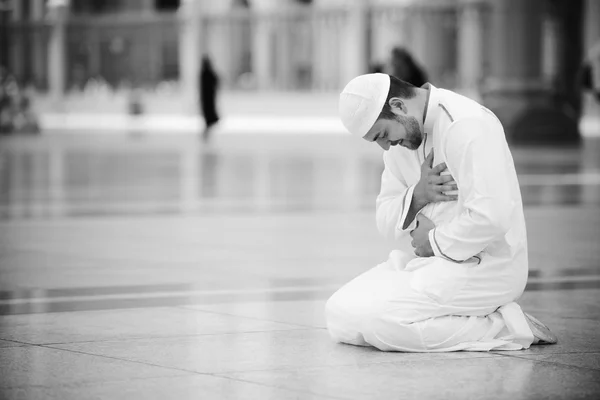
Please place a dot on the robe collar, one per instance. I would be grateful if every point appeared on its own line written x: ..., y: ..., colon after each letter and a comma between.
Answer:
x: 431, y: 110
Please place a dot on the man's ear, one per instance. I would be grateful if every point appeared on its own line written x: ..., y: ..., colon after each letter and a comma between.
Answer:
x: 397, y: 106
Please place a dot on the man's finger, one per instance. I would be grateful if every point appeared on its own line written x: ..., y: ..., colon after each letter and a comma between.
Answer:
x: 429, y: 159
x: 421, y: 217
x: 438, y: 169
x: 446, y: 188
x: 446, y: 197
x: 440, y: 179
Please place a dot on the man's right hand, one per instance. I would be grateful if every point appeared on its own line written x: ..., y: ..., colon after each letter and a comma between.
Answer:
x: 433, y: 184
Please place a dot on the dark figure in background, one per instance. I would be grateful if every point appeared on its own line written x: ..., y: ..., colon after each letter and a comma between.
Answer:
x: 404, y: 67
x: 16, y: 114
x: 590, y: 72
x: 209, y: 85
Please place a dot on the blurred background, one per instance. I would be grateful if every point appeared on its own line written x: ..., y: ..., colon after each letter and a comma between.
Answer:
x: 174, y: 174
x: 170, y: 106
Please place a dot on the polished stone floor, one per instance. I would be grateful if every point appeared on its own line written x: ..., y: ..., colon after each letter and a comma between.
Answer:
x: 154, y: 267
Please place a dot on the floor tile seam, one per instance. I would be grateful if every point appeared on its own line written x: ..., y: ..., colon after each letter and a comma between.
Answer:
x: 320, y: 366
x: 243, y: 316
x: 141, y: 338
x: 13, y: 341
x: 76, y: 384
x: 126, y: 360
x: 325, y: 396
x: 553, y: 362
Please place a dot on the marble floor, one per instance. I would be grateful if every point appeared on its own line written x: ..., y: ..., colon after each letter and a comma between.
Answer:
x: 153, y: 267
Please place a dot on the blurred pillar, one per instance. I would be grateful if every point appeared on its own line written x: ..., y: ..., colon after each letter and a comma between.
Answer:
x: 39, y: 44
x: 57, y: 15
x: 433, y: 41
x: 190, y: 51
x: 261, y: 55
x: 567, y: 17
x: 17, y: 44
x: 515, y: 89
x: 263, y: 42
x: 218, y: 39
x: 37, y: 9
x: 355, y: 56
x: 470, y: 47
x: 591, y: 23
x: 5, y: 10
x: 285, y: 53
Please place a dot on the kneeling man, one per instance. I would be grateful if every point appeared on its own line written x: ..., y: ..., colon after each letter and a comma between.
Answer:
x: 451, y: 201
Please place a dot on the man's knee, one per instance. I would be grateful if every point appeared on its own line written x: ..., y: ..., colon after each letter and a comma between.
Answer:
x: 368, y: 324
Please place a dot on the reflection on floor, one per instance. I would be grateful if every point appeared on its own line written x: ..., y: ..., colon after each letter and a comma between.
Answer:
x: 148, y: 267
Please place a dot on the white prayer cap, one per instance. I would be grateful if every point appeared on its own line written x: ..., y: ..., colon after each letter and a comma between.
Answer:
x: 362, y: 100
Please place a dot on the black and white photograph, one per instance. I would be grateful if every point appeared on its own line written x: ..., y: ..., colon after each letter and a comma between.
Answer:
x: 299, y: 199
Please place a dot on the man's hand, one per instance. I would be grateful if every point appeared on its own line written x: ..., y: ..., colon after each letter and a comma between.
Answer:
x: 420, y: 236
x: 432, y: 185
x: 430, y: 188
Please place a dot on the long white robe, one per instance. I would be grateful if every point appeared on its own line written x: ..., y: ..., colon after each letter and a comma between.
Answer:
x: 463, y: 298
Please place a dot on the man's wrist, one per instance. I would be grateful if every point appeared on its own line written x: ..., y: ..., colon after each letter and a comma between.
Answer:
x: 418, y: 201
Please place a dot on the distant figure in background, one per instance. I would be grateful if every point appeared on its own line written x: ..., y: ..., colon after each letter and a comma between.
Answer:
x: 16, y: 114
x: 590, y: 72
x: 376, y: 68
x: 209, y: 85
x: 404, y: 67
x: 8, y: 87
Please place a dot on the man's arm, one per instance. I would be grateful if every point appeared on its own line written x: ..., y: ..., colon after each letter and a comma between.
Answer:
x: 479, y: 159
x: 398, y: 203
x: 393, y: 202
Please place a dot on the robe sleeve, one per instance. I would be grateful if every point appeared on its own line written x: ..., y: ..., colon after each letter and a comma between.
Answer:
x: 479, y: 160
x: 393, y: 202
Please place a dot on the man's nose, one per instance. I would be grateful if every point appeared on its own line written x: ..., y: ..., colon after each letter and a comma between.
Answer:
x: 384, y: 144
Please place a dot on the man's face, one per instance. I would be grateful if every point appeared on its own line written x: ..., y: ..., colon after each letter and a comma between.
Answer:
x: 404, y: 130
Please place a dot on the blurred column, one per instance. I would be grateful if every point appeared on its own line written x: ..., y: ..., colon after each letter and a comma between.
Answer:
x: 57, y: 15
x: 39, y: 46
x: 433, y: 41
x: 470, y: 54
x: 285, y: 52
x: 515, y: 89
x: 190, y: 51
x: 218, y: 40
x: 591, y: 49
x: 591, y: 23
x: 16, y: 44
x: 355, y: 59
x: 262, y: 52
x: 5, y: 11
x: 263, y: 42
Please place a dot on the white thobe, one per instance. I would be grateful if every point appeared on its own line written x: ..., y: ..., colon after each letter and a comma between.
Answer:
x: 463, y: 298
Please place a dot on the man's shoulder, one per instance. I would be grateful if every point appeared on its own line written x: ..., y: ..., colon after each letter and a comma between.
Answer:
x: 456, y: 106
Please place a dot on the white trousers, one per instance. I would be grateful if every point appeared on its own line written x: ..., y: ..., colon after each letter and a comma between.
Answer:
x: 428, y: 305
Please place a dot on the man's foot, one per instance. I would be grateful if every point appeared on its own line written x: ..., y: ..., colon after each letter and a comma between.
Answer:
x: 541, y: 333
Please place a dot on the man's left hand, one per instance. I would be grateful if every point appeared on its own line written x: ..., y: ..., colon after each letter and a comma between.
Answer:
x: 420, y: 236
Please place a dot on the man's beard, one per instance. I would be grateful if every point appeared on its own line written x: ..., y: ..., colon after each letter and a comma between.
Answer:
x: 413, y: 138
